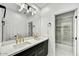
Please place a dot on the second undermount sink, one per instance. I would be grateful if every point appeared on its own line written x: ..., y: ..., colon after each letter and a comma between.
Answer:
x: 21, y: 45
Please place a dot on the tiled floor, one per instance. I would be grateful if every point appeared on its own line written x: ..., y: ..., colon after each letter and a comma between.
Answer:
x: 63, y: 50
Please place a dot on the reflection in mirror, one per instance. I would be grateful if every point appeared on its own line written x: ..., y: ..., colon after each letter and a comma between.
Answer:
x: 30, y: 28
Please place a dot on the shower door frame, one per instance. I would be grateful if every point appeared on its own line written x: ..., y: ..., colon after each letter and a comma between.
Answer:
x: 74, y: 28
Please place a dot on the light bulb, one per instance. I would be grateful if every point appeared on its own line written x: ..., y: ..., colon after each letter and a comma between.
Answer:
x: 26, y: 7
x: 27, y: 11
x: 21, y: 7
x: 30, y: 9
x: 32, y: 13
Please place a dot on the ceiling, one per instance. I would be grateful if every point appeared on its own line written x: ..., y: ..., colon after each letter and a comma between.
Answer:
x: 40, y: 5
x: 13, y: 6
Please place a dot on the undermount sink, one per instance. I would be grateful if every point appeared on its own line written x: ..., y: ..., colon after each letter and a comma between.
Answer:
x: 21, y: 45
x: 30, y: 41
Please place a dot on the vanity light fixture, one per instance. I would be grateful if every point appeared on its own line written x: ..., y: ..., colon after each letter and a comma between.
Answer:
x: 27, y: 7
x: 32, y: 13
x: 49, y: 24
x: 28, y: 11
x: 21, y: 6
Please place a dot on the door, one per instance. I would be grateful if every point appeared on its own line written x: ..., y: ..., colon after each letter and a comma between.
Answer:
x: 66, y: 33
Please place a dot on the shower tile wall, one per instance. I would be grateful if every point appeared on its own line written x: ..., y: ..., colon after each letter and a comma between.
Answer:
x: 64, y: 28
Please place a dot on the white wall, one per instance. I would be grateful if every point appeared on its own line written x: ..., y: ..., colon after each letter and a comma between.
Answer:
x: 47, y: 15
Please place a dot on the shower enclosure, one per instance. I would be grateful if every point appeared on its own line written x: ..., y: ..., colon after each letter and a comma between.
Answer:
x: 64, y: 37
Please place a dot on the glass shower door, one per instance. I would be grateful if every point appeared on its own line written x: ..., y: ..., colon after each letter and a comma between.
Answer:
x: 66, y: 32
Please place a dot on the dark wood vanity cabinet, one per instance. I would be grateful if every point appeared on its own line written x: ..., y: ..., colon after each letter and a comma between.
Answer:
x: 40, y: 49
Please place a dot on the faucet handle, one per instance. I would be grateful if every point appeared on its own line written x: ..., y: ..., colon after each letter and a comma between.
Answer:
x: 22, y: 39
x: 17, y: 39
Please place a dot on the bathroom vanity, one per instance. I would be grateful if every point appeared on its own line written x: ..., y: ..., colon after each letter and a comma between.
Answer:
x: 40, y: 49
x: 30, y: 47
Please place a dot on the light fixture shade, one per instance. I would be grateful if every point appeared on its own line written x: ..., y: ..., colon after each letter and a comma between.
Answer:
x: 49, y: 24
x: 25, y: 6
x: 35, y: 12
x: 21, y: 7
x: 29, y: 8
x: 32, y: 13
x: 27, y: 11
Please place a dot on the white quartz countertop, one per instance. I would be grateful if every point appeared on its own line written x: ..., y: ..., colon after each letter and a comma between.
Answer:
x: 10, y: 48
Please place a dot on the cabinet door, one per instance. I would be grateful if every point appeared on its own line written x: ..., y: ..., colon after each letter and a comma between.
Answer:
x: 42, y: 49
x: 45, y: 48
x: 39, y: 49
